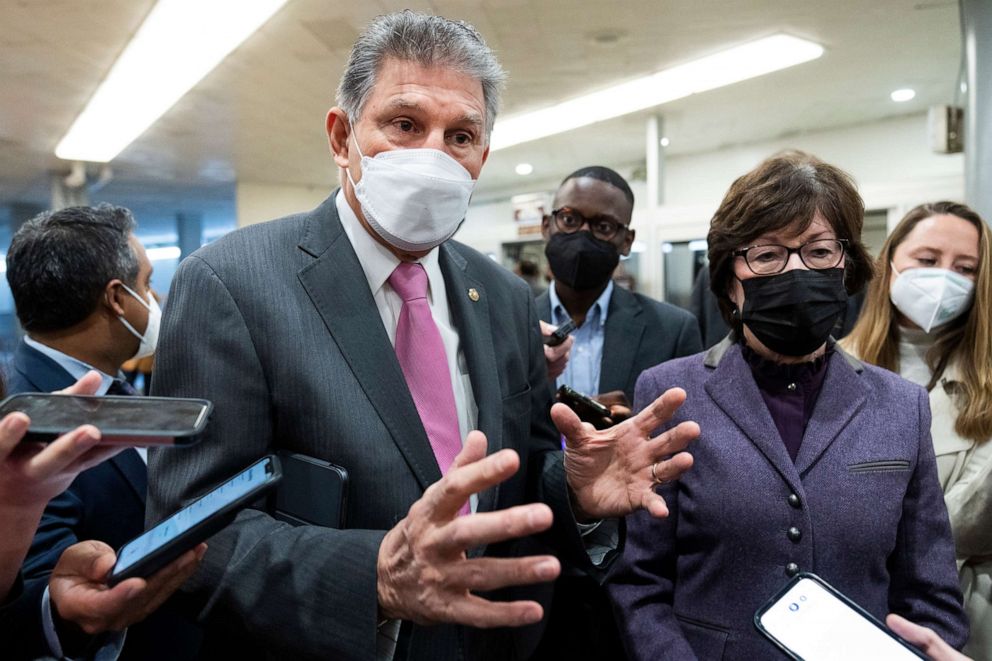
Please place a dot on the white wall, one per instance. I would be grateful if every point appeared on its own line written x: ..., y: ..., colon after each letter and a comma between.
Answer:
x: 258, y: 202
x: 890, y: 160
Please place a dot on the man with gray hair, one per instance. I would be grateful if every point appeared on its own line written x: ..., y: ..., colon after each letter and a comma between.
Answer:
x: 359, y: 334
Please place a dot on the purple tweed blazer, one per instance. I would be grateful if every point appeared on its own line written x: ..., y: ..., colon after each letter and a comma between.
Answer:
x: 861, y: 507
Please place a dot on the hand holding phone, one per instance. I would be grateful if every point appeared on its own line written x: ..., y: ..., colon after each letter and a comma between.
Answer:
x: 810, y: 620
x: 559, y: 334
x: 587, y: 408
x: 121, y: 420
x: 205, y: 516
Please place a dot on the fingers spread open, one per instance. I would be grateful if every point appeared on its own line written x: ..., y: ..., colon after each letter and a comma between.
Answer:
x: 674, y: 440
x: 660, y: 410
x: 482, y: 574
x: 472, y: 450
x: 468, y: 532
x: 445, y: 497
x: 569, y: 425
x: 477, y: 612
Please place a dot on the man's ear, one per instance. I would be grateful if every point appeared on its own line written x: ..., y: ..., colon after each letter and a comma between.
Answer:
x: 338, y: 131
x: 628, y: 242
x: 113, y: 297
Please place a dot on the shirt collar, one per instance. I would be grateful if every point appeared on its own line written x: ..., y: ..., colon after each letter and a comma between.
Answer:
x: 378, y: 263
x: 602, y: 304
x: 75, y: 367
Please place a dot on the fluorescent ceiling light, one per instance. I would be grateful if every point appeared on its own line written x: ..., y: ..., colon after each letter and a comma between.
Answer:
x: 724, y: 68
x: 179, y: 43
x: 163, y: 253
x: 524, y: 169
x: 903, y: 95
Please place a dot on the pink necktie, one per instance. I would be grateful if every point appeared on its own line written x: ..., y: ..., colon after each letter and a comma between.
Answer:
x: 425, y: 365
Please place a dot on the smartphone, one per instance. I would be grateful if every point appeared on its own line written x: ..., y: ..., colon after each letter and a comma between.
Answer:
x: 207, y: 515
x: 313, y: 492
x: 587, y: 408
x: 121, y: 420
x: 559, y: 334
x: 809, y: 619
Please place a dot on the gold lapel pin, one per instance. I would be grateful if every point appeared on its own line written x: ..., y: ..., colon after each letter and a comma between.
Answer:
x: 473, y: 294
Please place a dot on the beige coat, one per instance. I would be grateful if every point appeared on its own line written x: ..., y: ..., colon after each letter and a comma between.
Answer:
x: 965, y: 471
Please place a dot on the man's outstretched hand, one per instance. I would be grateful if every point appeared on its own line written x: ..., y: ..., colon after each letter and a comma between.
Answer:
x: 423, y: 573
x: 613, y: 472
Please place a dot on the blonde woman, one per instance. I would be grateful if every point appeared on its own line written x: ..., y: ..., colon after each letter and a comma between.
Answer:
x: 929, y: 318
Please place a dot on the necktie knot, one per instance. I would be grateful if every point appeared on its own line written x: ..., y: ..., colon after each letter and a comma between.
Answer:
x: 409, y: 280
x: 119, y: 387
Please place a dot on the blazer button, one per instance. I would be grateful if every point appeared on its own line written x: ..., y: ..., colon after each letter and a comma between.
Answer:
x: 795, y: 534
x: 794, y: 501
x: 791, y: 569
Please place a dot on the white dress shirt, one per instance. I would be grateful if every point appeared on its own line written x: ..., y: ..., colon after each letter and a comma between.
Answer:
x: 378, y: 263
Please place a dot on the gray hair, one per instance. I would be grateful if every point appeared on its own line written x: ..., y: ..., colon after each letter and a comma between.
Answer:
x: 428, y: 41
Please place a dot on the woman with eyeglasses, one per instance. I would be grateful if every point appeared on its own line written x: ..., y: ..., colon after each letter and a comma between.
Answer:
x: 929, y: 318
x: 808, y: 460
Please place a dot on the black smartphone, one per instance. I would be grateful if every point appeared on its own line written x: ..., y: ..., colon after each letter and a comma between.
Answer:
x: 121, y: 420
x: 207, y: 515
x: 313, y: 492
x: 809, y: 619
x: 587, y: 408
x: 559, y: 334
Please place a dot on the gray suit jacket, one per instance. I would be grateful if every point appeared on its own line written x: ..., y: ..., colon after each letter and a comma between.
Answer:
x: 276, y: 325
x: 862, y: 493
x: 640, y: 333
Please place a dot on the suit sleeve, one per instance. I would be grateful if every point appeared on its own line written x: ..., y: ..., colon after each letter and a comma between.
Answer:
x: 924, y: 581
x: 20, y: 621
x: 302, y: 591
x: 641, y: 586
x: 690, y: 341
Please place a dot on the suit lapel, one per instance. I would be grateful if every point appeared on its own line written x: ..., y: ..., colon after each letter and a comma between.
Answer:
x: 475, y: 335
x: 734, y: 390
x: 134, y: 472
x: 624, y: 330
x: 335, y: 284
x: 842, y: 395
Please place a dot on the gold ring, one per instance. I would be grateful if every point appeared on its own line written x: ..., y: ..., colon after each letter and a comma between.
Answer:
x: 654, y: 477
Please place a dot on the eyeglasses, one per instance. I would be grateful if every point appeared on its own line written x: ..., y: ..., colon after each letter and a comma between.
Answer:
x: 771, y: 259
x: 569, y: 221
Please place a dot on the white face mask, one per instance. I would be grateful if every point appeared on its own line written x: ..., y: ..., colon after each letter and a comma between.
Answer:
x: 415, y: 199
x: 931, y: 297
x: 150, y: 338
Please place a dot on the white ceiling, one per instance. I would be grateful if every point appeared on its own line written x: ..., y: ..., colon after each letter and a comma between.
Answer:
x: 259, y: 115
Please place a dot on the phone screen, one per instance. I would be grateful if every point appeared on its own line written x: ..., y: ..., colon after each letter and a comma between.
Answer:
x: 197, y: 511
x: 816, y: 625
x: 60, y: 413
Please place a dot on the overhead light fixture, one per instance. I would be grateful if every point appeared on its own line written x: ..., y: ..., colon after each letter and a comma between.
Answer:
x: 524, y: 169
x: 162, y: 253
x: 733, y: 65
x: 665, y: 142
x: 903, y: 95
x: 179, y: 43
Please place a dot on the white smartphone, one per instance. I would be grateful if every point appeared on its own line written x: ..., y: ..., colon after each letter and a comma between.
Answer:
x: 810, y: 620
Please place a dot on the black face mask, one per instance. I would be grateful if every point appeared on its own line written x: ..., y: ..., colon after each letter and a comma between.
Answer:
x: 792, y: 313
x: 580, y: 260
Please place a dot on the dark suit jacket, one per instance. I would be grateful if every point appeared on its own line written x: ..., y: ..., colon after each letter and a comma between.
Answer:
x: 863, y: 494
x: 276, y: 325
x: 640, y: 333
x: 106, y: 503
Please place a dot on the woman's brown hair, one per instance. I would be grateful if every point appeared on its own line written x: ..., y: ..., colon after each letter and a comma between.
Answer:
x: 786, y: 190
x: 967, y: 340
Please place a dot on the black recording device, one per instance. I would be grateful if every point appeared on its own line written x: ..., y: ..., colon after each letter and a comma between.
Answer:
x: 587, y: 408
x: 559, y: 334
